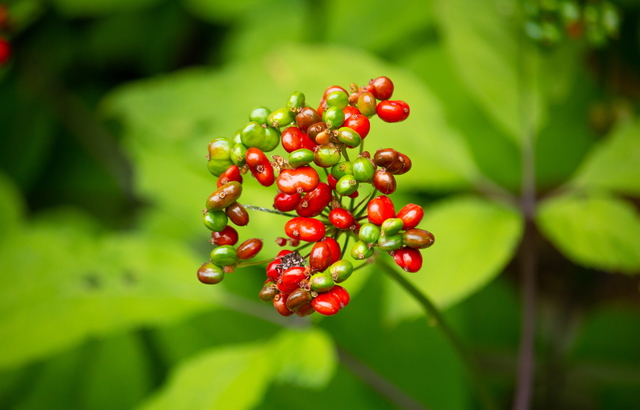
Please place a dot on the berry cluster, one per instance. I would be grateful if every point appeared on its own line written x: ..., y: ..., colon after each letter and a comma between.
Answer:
x: 549, y: 20
x: 314, y: 138
x: 5, y: 46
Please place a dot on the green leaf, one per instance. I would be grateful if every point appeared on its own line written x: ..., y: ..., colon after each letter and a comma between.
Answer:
x: 501, y: 68
x: 311, y: 366
x: 222, y: 11
x: 380, y: 27
x: 63, y: 283
x: 614, y: 164
x: 475, y: 239
x: 11, y: 207
x: 222, y: 378
x: 77, y: 8
x: 594, y: 231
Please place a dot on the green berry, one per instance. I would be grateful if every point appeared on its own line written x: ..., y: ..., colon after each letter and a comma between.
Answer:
x: 224, y: 255
x: 333, y: 117
x: 347, y: 185
x: 295, y: 102
x: 363, y: 169
x: 341, y: 169
x: 338, y: 99
x: 327, y: 155
x: 300, y: 157
x: 260, y: 115
x: 392, y: 226
x: 321, y: 282
x: 341, y: 270
x: 253, y: 135
x: 390, y: 243
x: 369, y: 233
x: 281, y: 117
x: 361, y: 250
x: 215, y: 221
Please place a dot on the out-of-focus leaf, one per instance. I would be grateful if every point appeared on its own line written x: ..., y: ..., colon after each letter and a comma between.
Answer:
x: 88, y: 284
x: 222, y: 378
x: 474, y: 240
x: 486, y: 43
x: 313, y: 367
x: 11, y: 207
x: 594, y: 231
x: 376, y: 27
x: 76, y: 8
x: 222, y: 11
x: 614, y: 164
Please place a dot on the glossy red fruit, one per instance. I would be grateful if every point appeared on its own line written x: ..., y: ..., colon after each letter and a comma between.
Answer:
x: 380, y: 209
x: 348, y: 111
x: 227, y: 236
x: 249, y: 248
x: 326, y: 304
x: 306, y: 117
x: 406, y: 164
x: 411, y: 215
x: 359, y: 123
x: 305, y: 229
x: 320, y: 256
x: 291, y: 278
x: 341, y: 218
x: 285, y: 202
x: 336, y: 251
x: 408, y: 259
x: 272, y: 272
x: 237, y: 214
x: 341, y: 294
x: 392, y: 111
x: 333, y: 88
x: 224, y: 196
x: 295, y: 181
x: 332, y: 181
x: 381, y: 88
x: 293, y: 139
x: 313, y: 203
x: 280, y: 303
x: 384, y: 181
x: 231, y: 174
x: 260, y: 166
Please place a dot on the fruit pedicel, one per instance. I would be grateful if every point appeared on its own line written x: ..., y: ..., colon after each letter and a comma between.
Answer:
x: 326, y: 162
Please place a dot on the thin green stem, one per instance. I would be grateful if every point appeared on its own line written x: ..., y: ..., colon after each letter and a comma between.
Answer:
x: 433, y: 312
x: 369, y: 198
x: 345, y: 154
x: 271, y: 211
x: 254, y: 263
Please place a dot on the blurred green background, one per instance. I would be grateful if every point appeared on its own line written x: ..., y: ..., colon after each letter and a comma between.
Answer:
x: 106, y: 109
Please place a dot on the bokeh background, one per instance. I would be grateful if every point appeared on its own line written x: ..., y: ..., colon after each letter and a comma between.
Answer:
x: 106, y: 109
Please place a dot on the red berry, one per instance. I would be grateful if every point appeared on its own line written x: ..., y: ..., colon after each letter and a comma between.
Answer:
x: 332, y: 181
x: 336, y: 252
x: 305, y: 229
x: 326, y: 304
x: 5, y: 50
x: 249, y: 248
x: 303, y: 179
x: 227, y: 236
x: 237, y: 214
x: 285, y: 202
x: 291, y: 278
x: 313, y: 203
x: 341, y: 218
x: 306, y: 117
x: 280, y: 303
x: 341, y: 294
x: 272, y: 272
x: 231, y: 174
x: 411, y: 215
x: 293, y: 139
x: 359, y: 123
x: 348, y: 111
x: 408, y: 259
x: 260, y: 166
x: 320, y: 256
x: 384, y: 181
x: 392, y: 111
x: 381, y: 88
x: 380, y: 209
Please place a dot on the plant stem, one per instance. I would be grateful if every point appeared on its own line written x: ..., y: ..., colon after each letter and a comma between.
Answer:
x: 526, y: 354
x: 271, y: 211
x: 255, y: 263
x: 433, y: 312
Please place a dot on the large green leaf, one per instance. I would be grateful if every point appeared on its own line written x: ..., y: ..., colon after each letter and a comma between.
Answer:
x: 503, y: 70
x: 11, y: 205
x: 237, y: 377
x: 475, y: 239
x: 594, y: 231
x: 64, y: 282
x: 614, y: 164
x: 77, y: 8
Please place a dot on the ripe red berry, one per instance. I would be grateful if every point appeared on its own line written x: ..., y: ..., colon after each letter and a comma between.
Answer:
x: 249, y: 248
x: 320, y: 256
x: 326, y: 304
x: 260, y: 166
x: 280, y: 303
x: 237, y: 214
x: 381, y: 88
x: 411, y: 215
x: 408, y: 259
x: 341, y: 218
x: 380, y: 209
x: 293, y: 139
x: 227, y: 236
x: 336, y: 251
x: 359, y: 123
x: 231, y: 174
x: 5, y: 50
x: 291, y: 278
x: 348, y: 111
x: 285, y: 202
x: 305, y: 229
x: 342, y: 295
x: 313, y: 203
x: 392, y: 111
x: 303, y: 179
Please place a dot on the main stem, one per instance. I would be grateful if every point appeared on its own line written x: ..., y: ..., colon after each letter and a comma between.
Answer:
x: 526, y: 355
x: 433, y: 312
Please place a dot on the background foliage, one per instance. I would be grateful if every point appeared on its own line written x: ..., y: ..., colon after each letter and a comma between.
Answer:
x: 106, y: 108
